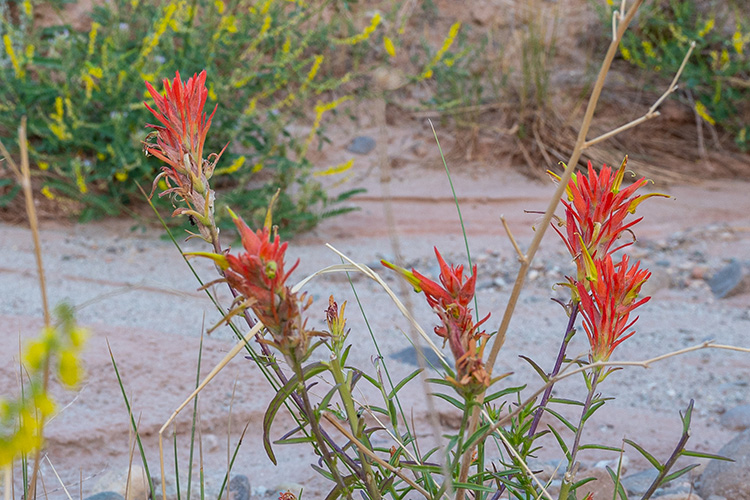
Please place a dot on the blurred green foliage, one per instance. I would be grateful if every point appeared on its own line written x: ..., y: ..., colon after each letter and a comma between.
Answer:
x: 718, y: 72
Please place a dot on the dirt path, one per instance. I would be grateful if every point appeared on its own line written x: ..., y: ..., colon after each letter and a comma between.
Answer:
x: 135, y: 291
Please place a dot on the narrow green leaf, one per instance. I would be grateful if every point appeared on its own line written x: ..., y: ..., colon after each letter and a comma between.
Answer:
x: 677, y: 474
x: 455, y: 402
x: 504, y: 392
x: 646, y: 454
x: 536, y: 367
x: 474, y: 438
x: 564, y: 401
x: 620, y: 490
x: 582, y: 482
x: 599, y: 447
x: 404, y: 382
x: 592, y: 409
x: 473, y: 487
x: 278, y: 401
x: 303, y: 439
x: 700, y: 454
x: 561, y: 419
x: 560, y: 442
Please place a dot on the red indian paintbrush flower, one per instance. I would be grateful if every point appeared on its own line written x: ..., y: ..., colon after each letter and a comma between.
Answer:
x: 595, y: 213
x: 450, y: 300
x: 179, y: 143
x: 606, y: 309
x: 258, y: 274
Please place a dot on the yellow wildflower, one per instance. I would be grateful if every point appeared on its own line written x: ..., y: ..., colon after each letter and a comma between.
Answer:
x: 121, y: 176
x: 28, y: 8
x: 336, y: 169
x: 19, y: 72
x: 389, y: 47
x: 220, y: 7
x: 287, y: 45
x: 648, y: 48
x: 257, y: 168
x: 702, y: 111
x: 92, y: 37
x: 354, y: 40
x: 707, y: 28
x: 43, y: 165
x: 235, y: 166
x: 47, y: 193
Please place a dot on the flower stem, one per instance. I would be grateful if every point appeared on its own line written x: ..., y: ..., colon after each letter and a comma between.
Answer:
x: 556, y: 369
x: 351, y: 413
x: 569, y: 477
x: 328, y: 458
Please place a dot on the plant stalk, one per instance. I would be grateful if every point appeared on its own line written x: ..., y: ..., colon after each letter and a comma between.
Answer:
x: 569, y: 477
x: 351, y: 413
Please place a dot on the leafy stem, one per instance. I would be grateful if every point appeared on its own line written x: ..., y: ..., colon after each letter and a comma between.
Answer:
x: 569, y: 330
x: 346, y: 398
x: 570, y: 472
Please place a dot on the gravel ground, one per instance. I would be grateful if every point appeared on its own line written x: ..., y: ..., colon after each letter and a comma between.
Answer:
x: 134, y: 290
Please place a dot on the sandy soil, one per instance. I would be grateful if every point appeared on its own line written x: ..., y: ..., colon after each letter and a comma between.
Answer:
x: 135, y: 293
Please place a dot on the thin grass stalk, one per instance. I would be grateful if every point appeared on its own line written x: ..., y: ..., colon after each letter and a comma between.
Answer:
x: 132, y: 421
x: 231, y: 463
x: 195, y: 413
x: 499, y: 339
x: 7, y: 480
x: 176, y: 466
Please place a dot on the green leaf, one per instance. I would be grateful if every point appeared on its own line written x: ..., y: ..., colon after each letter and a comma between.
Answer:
x: 560, y: 442
x: 303, y: 439
x: 455, y: 402
x: 700, y: 454
x: 582, y: 482
x: 404, y: 382
x: 504, y: 392
x: 473, y: 487
x: 620, y: 490
x: 646, y: 454
x: 592, y: 409
x: 561, y: 419
x: 563, y: 401
x: 677, y: 474
x: 474, y: 438
x: 278, y: 401
x: 536, y: 367
x: 599, y: 447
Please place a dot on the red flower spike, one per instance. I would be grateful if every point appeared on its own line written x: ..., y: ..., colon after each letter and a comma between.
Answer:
x: 596, y: 210
x: 606, y: 309
x: 179, y: 142
x: 450, y: 300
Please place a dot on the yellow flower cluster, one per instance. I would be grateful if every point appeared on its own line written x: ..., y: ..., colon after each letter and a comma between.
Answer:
x: 336, y: 169
x: 428, y: 71
x: 160, y: 27
x: 702, y: 111
x: 17, y: 70
x: 56, y: 350
x: 58, y: 126
x: 235, y: 166
x: 320, y: 109
x: 354, y: 40
x: 739, y: 40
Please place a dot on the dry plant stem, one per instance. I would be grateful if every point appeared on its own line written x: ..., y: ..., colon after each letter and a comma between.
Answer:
x: 652, y: 111
x: 364, y: 449
x: 669, y: 463
x: 520, y: 460
x: 7, y: 480
x: 556, y: 369
x: 542, y: 228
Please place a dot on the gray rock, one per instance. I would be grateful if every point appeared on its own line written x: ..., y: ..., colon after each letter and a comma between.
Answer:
x: 729, y: 479
x: 409, y: 356
x: 638, y: 483
x: 737, y: 419
x: 239, y: 488
x: 106, y: 495
x: 732, y: 279
x: 361, y: 145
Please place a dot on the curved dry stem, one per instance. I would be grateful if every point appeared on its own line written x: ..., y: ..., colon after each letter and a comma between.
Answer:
x: 364, y: 449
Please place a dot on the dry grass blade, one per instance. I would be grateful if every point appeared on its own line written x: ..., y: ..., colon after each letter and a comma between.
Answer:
x: 54, y: 471
x: 375, y: 277
x: 230, y: 355
x: 515, y: 454
x: 7, y: 481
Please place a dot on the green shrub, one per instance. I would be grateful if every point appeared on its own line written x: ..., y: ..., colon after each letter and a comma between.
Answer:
x: 717, y: 72
x: 270, y: 61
